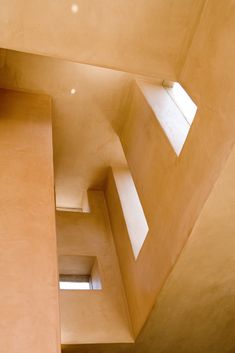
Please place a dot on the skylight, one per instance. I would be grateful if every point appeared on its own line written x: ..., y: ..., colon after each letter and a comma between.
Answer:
x: 173, y: 108
x: 181, y: 98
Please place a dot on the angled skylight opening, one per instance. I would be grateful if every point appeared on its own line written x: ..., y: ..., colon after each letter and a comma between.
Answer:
x: 181, y: 98
x: 173, y: 108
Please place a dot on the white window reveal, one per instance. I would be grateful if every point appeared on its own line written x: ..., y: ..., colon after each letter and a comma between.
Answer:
x: 181, y: 98
x: 173, y: 108
x: 133, y: 213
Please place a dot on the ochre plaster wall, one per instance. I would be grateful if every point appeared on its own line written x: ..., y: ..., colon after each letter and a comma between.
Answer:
x: 172, y: 190
x: 144, y: 37
x: 196, y: 308
x: 84, y: 123
x: 98, y: 316
x: 28, y: 267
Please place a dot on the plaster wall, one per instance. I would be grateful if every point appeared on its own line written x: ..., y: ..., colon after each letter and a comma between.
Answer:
x: 173, y: 189
x: 28, y: 268
x: 95, y: 316
x: 144, y: 37
x: 196, y: 307
x: 85, y: 142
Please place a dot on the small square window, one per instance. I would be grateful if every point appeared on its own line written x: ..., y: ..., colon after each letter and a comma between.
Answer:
x: 75, y: 282
x: 79, y: 273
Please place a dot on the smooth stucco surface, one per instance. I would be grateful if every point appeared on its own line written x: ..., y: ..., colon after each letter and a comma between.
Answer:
x: 96, y: 315
x: 173, y: 189
x: 85, y: 142
x: 144, y: 37
x: 196, y: 308
x: 194, y: 312
x: 28, y: 267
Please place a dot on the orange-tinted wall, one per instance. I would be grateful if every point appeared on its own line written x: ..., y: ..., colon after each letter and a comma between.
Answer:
x: 92, y: 316
x: 28, y: 268
x: 173, y: 189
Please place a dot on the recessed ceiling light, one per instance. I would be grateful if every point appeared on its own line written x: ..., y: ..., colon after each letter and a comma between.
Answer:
x: 73, y: 91
x: 74, y: 8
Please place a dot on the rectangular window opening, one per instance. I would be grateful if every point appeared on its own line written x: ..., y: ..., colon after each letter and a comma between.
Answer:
x: 133, y: 212
x: 75, y: 282
x: 181, y: 98
x: 173, y: 108
x: 79, y: 273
